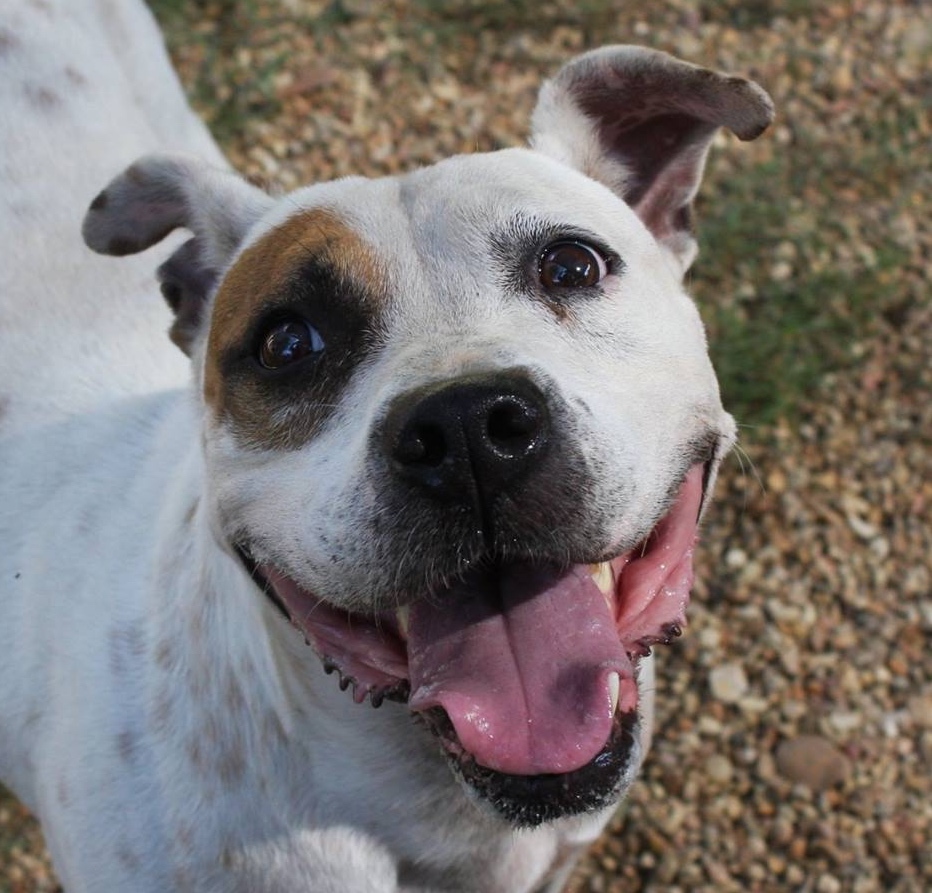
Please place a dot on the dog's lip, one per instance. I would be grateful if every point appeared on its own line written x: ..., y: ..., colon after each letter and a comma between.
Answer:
x: 529, y: 800
x: 368, y: 652
x: 374, y: 655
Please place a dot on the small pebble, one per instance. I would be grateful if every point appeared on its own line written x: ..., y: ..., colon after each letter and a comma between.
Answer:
x: 812, y: 761
x: 728, y: 683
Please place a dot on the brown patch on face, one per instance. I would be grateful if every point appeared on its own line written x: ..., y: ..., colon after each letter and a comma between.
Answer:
x: 313, y: 267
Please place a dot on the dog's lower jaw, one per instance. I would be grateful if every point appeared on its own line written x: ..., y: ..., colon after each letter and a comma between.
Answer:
x: 527, y: 801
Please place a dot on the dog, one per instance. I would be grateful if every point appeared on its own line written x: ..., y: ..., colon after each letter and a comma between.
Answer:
x: 436, y: 444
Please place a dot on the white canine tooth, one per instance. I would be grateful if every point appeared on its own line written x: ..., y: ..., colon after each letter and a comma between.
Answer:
x: 603, y: 577
x: 614, y: 685
x: 401, y: 614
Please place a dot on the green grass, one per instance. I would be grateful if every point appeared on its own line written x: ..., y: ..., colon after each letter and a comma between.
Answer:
x: 225, y: 91
x: 773, y: 342
x: 771, y: 354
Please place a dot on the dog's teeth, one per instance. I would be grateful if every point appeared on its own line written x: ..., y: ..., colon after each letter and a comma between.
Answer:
x: 614, y: 686
x: 603, y: 577
x: 402, y: 616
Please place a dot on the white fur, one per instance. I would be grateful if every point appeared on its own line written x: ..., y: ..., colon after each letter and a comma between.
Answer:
x: 169, y: 728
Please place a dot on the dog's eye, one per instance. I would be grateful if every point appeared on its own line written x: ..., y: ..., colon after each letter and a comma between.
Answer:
x: 287, y: 342
x: 571, y: 265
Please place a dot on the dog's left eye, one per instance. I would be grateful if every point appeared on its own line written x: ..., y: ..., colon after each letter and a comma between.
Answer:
x: 571, y: 265
x: 287, y: 342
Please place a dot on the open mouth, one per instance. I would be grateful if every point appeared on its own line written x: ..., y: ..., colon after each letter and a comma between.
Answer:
x: 526, y: 673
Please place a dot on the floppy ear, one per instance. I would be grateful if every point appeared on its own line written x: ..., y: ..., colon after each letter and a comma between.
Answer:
x: 160, y: 193
x: 641, y: 122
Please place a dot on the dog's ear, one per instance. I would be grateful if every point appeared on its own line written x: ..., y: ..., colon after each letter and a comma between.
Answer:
x: 641, y: 122
x: 161, y: 193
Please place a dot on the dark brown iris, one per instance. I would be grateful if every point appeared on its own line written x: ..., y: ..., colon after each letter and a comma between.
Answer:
x: 570, y: 265
x: 288, y: 342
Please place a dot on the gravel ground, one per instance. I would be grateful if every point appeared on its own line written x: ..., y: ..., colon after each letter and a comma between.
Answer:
x: 794, y: 742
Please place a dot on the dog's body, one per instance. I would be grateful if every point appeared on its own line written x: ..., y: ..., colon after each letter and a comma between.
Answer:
x: 158, y: 711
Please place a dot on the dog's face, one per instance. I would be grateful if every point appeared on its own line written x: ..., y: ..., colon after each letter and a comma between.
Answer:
x: 460, y: 425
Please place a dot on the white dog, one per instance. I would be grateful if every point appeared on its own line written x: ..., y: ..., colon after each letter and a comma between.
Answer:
x: 444, y: 436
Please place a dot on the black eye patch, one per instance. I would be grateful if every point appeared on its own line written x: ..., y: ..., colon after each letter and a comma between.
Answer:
x: 282, y: 378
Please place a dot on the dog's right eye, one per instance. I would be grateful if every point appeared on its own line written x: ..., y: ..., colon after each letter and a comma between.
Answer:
x: 287, y: 342
x: 571, y: 264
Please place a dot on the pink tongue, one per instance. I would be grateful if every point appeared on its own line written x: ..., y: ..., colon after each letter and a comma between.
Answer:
x: 519, y: 659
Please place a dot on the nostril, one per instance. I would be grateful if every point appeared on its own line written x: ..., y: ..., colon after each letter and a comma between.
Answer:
x: 423, y: 445
x: 467, y: 439
x: 512, y: 426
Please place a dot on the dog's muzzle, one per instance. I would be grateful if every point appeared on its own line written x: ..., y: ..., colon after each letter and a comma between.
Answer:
x: 522, y: 663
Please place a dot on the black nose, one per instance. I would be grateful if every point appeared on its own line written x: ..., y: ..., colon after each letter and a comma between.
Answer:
x: 470, y: 437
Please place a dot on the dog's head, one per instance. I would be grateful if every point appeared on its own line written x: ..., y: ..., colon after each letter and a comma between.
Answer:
x: 460, y: 424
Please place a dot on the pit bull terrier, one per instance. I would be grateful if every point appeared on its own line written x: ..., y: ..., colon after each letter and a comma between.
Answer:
x: 435, y: 444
